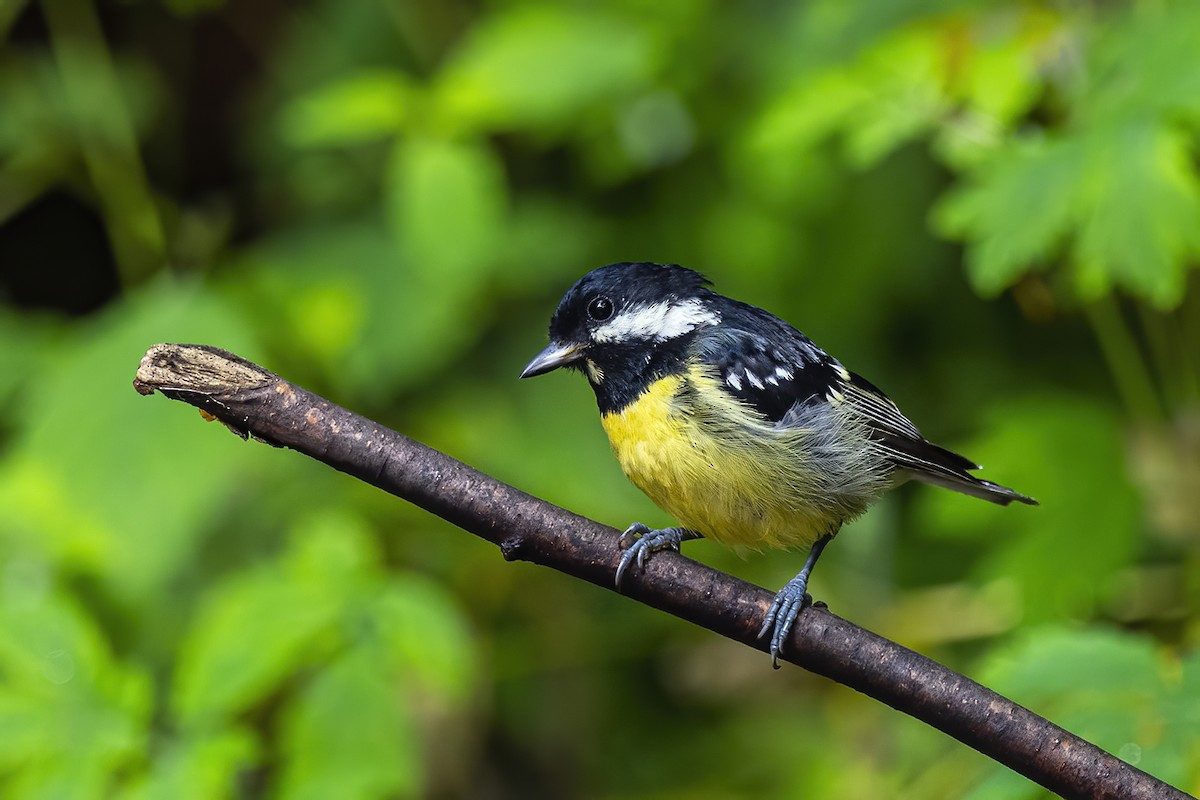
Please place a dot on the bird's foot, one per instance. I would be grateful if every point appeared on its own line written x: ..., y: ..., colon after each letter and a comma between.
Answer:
x: 781, y: 616
x: 642, y: 541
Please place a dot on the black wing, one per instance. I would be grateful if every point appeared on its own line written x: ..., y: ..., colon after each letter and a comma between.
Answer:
x: 774, y: 368
x: 766, y: 363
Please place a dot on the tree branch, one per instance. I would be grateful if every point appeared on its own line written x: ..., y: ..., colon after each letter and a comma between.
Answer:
x: 253, y: 402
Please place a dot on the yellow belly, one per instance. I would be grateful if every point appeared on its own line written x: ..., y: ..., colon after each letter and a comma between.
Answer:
x: 720, y: 470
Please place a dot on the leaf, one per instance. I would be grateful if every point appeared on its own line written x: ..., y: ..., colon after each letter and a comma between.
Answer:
x: 363, y: 107
x: 1016, y: 210
x: 883, y: 100
x: 1140, y: 66
x: 902, y: 75
x: 999, y: 77
x: 538, y: 65
x: 1115, y: 689
x: 447, y: 202
x: 72, y: 717
x: 197, y: 768
x: 811, y: 109
x: 349, y: 735
x: 1115, y: 191
x: 252, y: 633
x: 1141, y: 228
x: 261, y: 627
x: 348, y: 304
x: 1127, y: 198
x: 1047, y: 665
x: 425, y: 635
x: 58, y: 477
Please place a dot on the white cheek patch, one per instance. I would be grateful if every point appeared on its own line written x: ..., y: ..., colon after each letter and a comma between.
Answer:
x: 659, y: 321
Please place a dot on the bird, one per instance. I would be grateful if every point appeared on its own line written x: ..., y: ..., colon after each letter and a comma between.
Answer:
x: 735, y: 423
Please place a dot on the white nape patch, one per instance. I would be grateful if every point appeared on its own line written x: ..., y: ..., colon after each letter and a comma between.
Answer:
x: 659, y: 321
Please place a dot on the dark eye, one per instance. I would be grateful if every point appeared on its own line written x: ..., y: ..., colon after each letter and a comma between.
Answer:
x: 600, y: 309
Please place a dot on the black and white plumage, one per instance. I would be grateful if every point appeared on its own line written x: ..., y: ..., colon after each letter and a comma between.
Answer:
x: 734, y: 421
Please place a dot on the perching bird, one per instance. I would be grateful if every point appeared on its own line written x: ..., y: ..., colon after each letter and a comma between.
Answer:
x: 734, y: 422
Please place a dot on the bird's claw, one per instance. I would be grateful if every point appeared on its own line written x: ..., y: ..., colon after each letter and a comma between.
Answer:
x: 781, y: 616
x: 641, y: 541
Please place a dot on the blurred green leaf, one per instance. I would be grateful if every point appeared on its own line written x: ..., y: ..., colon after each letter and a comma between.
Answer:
x: 812, y: 108
x: 71, y: 717
x: 251, y: 634
x: 362, y: 107
x: 1141, y: 231
x: 349, y: 735
x: 1115, y: 689
x: 1128, y: 196
x: 1116, y: 191
x: 424, y: 636
x: 540, y: 64
x: 999, y: 73
x: 197, y: 768
x: 35, y: 125
x: 1141, y: 67
x: 259, y: 628
x: 881, y: 101
x: 447, y: 203
x: 902, y: 79
x: 1016, y: 210
x: 24, y: 341
x: 348, y: 301
x: 81, y: 422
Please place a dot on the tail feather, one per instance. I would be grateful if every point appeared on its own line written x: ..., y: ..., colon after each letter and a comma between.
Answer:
x: 969, y: 484
x: 927, y: 462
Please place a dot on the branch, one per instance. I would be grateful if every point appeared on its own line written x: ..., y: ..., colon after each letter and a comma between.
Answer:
x: 253, y: 402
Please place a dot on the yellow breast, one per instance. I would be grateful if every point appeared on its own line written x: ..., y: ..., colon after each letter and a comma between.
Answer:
x: 708, y: 460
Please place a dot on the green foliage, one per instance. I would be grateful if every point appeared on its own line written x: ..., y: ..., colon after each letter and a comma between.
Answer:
x: 384, y: 201
x: 54, y: 510
x: 540, y: 65
x: 1069, y: 449
x: 1116, y: 185
x: 1103, y: 685
x: 446, y: 203
x: 72, y: 715
x: 1127, y: 198
x: 354, y: 110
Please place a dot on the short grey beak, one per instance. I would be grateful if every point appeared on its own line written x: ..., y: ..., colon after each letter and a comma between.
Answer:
x: 556, y: 354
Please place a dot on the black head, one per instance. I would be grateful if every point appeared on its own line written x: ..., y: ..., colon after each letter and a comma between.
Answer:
x: 619, y: 315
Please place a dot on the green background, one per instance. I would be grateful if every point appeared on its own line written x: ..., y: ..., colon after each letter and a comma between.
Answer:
x: 990, y: 209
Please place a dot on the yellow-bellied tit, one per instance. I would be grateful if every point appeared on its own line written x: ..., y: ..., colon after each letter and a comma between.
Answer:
x: 734, y: 422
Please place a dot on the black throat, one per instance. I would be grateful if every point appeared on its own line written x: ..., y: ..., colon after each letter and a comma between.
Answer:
x: 628, y: 370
